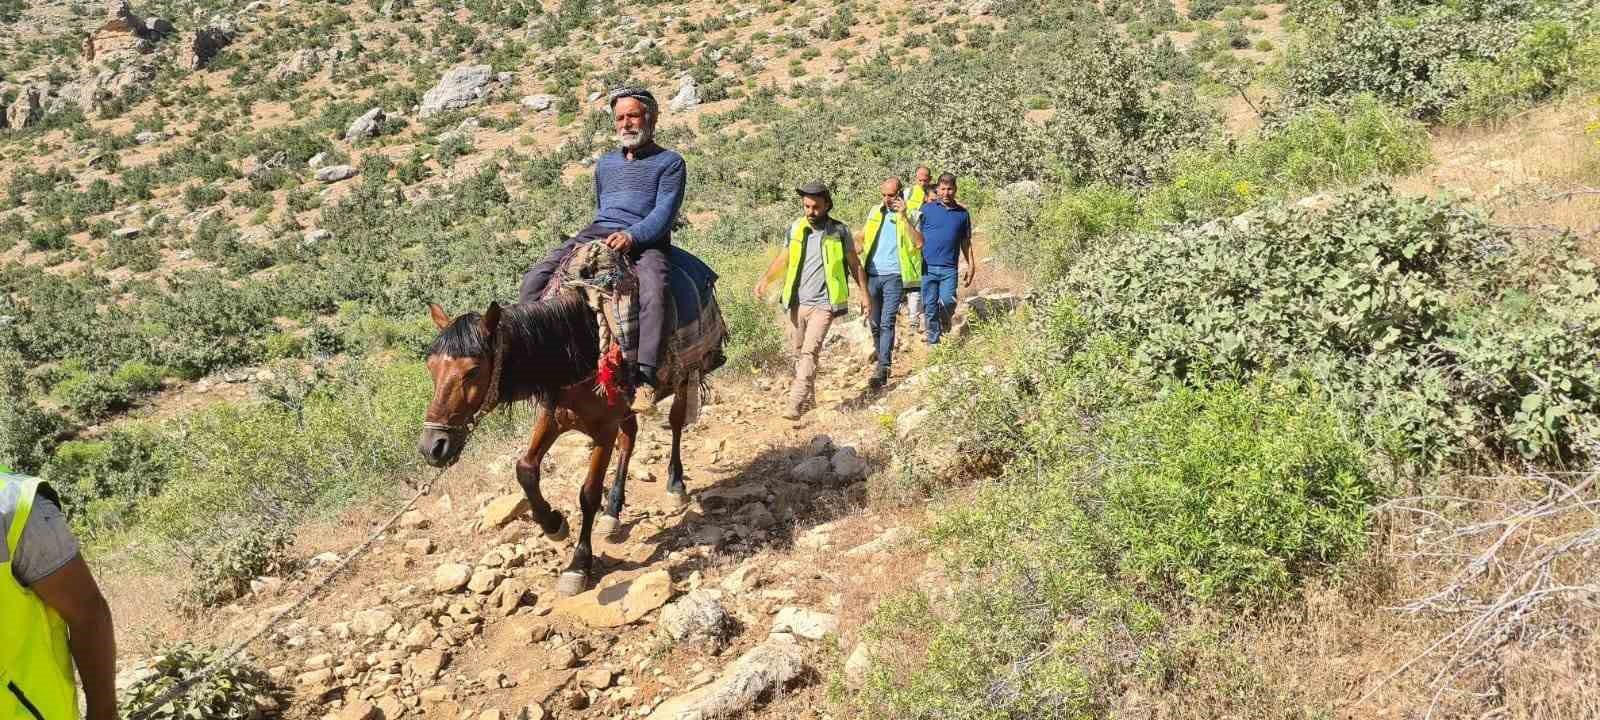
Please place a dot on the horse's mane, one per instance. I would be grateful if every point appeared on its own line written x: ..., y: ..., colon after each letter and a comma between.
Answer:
x: 552, y: 344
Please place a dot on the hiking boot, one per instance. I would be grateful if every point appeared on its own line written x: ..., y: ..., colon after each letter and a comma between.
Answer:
x: 792, y: 411
x: 878, y: 380
x: 644, y: 400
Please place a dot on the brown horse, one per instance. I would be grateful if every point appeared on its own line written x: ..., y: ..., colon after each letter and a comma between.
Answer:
x: 547, y: 352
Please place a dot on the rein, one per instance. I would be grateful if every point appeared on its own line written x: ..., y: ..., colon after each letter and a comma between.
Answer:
x: 491, y: 398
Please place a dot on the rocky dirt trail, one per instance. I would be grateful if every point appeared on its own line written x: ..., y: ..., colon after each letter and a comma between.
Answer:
x: 749, y: 597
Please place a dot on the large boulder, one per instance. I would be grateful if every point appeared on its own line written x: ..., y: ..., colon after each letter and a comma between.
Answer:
x: 28, y: 107
x: 848, y: 467
x: 366, y: 126
x: 809, y: 624
x: 200, y: 46
x: 121, y: 34
x: 461, y: 86
x: 619, y: 604
x: 766, y: 668
x: 302, y: 64
x: 688, y: 95
x: 812, y: 471
x: 113, y: 83
x: 335, y: 173
x: 698, y: 617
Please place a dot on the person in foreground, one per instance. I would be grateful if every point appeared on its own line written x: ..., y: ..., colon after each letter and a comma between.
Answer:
x: 946, y: 238
x: 638, y: 190
x: 893, y: 259
x: 52, y: 614
x: 816, y: 270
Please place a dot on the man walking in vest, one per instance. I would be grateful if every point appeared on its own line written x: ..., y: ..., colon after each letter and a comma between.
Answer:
x: 893, y: 256
x: 946, y: 237
x: 816, y: 268
x: 52, y: 614
x: 920, y: 191
x: 638, y: 190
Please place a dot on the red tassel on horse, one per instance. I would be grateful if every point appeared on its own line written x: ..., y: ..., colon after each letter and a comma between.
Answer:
x: 609, y: 374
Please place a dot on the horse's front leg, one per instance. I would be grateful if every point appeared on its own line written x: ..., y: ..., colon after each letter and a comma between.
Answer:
x: 575, y: 579
x: 675, y: 487
x: 545, y: 433
x: 610, y: 521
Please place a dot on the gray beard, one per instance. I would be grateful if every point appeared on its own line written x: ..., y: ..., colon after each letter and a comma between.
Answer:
x: 632, y: 142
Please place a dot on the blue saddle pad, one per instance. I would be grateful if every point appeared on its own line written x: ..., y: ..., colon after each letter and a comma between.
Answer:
x: 691, y: 282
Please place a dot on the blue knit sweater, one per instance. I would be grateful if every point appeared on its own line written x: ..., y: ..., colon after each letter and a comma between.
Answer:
x: 641, y: 195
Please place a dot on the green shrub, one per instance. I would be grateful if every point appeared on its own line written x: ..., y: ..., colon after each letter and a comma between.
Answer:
x: 1114, y: 123
x: 201, y: 196
x: 1312, y: 149
x: 1547, y: 60
x: 224, y: 572
x: 1074, y: 575
x: 453, y: 145
x: 229, y: 694
x: 92, y: 396
x: 1404, y: 59
x: 254, y: 471
x: 1402, y: 307
x: 103, y: 481
x: 1044, y: 235
x: 977, y: 127
x: 1232, y: 494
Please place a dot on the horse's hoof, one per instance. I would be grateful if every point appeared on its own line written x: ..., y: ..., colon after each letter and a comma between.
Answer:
x: 571, y: 583
x: 608, y: 527
x: 681, y: 497
x: 560, y: 533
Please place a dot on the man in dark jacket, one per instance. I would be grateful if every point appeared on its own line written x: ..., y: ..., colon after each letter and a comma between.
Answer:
x: 639, y: 188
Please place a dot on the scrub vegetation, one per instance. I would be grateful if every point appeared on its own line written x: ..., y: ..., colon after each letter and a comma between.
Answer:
x: 1253, y: 378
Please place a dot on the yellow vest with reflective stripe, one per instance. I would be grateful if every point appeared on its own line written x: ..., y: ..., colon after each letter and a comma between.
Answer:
x: 832, y: 265
x: 36, y: 681
x: 910, y: 256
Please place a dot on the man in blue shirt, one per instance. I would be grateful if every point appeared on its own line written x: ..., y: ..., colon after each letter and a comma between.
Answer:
x: 638, y: 190
x: 946, y: 237
x: 890, y: 237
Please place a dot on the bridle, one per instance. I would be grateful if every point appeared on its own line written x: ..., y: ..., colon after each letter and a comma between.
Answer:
x: 491, y: 399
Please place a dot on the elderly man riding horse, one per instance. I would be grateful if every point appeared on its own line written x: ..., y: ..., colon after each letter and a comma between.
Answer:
x: 638, y: 190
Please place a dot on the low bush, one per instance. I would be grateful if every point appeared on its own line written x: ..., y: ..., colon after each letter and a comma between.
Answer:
x: 1046, y: 234
x: 1232, y: 494
x: 223, y: 573
x: 236, y: 692
x: 1073, y: 574
x: 1410, y: 309
x: 246, y: 474
x: 103, y: 481
x: 1549, y: 59
x: 1312, y: 149
x: 1442, y: 60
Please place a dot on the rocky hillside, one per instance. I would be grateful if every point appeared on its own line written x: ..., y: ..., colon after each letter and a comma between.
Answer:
x: 1198, y: 449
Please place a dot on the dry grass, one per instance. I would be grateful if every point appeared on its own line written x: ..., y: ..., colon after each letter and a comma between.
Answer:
x: 1536, y: 170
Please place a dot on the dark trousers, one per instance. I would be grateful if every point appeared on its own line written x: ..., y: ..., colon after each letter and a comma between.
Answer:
x: 938, y: 299
x: 884, y: 293
x: 650, y: 265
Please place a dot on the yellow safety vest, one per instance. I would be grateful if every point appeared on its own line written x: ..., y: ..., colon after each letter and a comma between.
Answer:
x: 36, y: 680
x: 832, y: 264
x: 910, y: 256
x: 917, y: 198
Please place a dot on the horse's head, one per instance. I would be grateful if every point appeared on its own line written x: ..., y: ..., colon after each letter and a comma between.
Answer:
x: 461, y: 361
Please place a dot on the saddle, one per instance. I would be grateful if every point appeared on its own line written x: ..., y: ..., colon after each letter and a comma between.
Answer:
x: 606, y: 280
